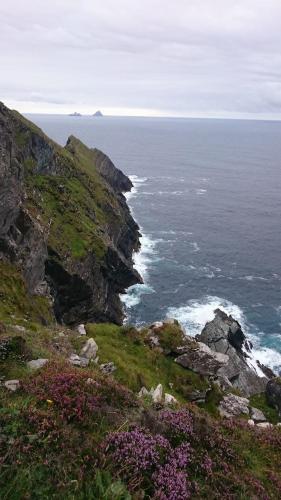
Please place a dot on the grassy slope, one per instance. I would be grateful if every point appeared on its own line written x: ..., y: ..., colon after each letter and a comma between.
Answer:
x: 77, y: 207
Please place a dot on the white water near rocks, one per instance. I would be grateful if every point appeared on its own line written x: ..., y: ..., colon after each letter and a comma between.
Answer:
x: 207, y: 197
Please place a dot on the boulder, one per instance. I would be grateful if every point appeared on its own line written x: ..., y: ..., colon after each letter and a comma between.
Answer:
x: 233, y: 406
x: 35, y: 364
x: 201, y: 359
x: 251, y: 422
x: 81, y: 329
x: 257, y: 415
x: 143, y: 392
x: 224, y: 335
x: 89, y: 350
x: 264, y: 425
x: 169, y: 399
x: 12, y: 385
x: 157, y: 394
x: 76, y: 360
x: 108, y: 368
x: 273, y: 393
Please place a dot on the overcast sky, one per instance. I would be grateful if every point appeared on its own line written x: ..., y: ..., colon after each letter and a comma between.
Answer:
x: 148, y: 57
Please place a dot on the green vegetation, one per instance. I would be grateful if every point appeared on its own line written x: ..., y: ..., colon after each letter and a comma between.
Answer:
x: 16, y: 302
x: 138, y: 365
x: 259, y: 401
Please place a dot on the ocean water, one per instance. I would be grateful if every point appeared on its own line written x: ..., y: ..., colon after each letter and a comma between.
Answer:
x: 207, y: 196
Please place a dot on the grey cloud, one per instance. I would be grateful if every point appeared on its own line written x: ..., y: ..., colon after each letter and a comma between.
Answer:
x: 182, y: 57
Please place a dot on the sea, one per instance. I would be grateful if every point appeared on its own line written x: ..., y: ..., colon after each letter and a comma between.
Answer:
x: 207, y: 198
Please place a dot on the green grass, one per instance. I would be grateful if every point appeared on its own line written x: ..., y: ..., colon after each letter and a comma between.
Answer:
x: 271, y: 414
x: 138, y: 365
x: 15, y: 301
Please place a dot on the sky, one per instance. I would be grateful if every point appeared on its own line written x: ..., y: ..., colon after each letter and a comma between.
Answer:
x: 202, y: 58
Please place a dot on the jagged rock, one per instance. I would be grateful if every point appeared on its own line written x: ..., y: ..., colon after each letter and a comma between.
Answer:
x: 201, y: 359
x: 143, y: 392
x: 76, y: 360
x: 264, y: 425
x: 257, y: 415
x: 266, y: 370
x: 273, y: 393
x: 81, y: 329
x: 108, y: 368
x: 157, y: 394
x: 233, y: 406
x: 169, y: 399
x: 224, y: 335
x: 89, y: 350
x: 35, y: 364
x: 12, y: 385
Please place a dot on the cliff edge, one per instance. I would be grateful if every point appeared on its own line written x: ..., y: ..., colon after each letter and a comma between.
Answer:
x: 64, y: 222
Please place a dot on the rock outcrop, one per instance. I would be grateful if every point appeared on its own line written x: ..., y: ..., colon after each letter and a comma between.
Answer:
x: 201, y: 359
x: 273, y: 393
x: 224, y: 335
x: 64, y: 222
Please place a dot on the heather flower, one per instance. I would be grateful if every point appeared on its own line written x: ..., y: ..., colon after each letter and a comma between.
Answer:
x: 137, y: 450
x: 178, y: 424
x: 170, y: 479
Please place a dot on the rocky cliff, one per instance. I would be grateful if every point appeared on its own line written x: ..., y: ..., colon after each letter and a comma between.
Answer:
x: 64, y: 222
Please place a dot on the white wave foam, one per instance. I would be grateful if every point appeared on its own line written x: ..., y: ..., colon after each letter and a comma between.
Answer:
x: 268, y: 357
x: 137, y: 182
x: 195, y: 246
x: 201, y: 191
x: 196, y: 313
x: 142, y: 259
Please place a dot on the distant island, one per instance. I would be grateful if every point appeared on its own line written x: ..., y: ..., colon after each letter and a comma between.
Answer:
x: 75, y: 114
x: 98, y: 113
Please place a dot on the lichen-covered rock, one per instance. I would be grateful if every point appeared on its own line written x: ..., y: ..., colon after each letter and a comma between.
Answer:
x: 201, y: 359
x: 233, y: 406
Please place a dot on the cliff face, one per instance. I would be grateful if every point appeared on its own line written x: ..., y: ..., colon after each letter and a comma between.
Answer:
x: 64, y: 222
